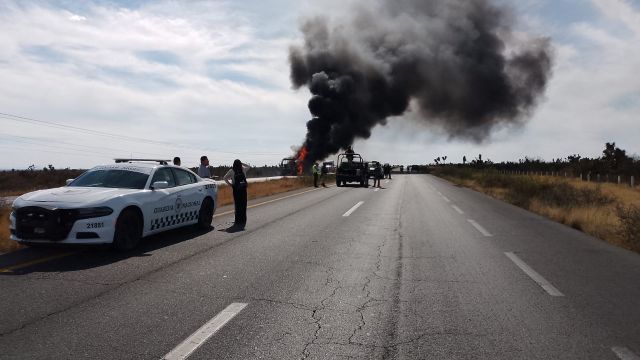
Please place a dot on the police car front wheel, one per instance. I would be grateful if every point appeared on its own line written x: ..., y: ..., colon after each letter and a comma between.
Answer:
x: 128, y: 231
x: 205, y: 217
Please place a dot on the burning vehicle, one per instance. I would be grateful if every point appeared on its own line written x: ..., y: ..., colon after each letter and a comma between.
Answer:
x: 289, y: 167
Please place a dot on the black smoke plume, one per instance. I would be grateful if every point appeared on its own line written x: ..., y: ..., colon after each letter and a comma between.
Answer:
x: 457, y: 63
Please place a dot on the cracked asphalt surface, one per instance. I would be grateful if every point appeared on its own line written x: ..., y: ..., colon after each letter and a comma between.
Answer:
x: 405, y: 276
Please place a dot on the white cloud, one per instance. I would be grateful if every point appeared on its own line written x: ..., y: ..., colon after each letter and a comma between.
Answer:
x: 86, y: 69
x: 75, y: 17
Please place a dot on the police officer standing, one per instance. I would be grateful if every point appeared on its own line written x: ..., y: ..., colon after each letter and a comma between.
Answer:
x: 316, y: 173
x: 236, y: 178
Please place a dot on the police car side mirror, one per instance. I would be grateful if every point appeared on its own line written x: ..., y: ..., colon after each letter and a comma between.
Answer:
x: 69, y: 181
x: 159, y: 185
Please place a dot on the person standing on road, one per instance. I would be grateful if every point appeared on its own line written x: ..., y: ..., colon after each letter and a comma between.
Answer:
x: 203, y: 170
x: 349, y: 153
x: 323, y: 174
x: 236, y: 178
x: 316, y: 174
x: 176, y: 161
x: 387, y: 171
x: 377, y: 175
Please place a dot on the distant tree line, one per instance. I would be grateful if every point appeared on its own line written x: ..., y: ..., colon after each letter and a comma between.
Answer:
x: 614, y: 161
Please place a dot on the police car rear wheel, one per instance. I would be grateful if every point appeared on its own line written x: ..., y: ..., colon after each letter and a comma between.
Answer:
x: 127, y: 235
x: 205, y: 217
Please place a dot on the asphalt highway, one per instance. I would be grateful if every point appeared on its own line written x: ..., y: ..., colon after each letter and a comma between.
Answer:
x: 420, y: 269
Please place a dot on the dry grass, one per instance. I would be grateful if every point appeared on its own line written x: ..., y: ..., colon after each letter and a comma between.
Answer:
x: 6, y: 245
x: 22, y: 181
x: 262, y: 189
x: 608, y: 211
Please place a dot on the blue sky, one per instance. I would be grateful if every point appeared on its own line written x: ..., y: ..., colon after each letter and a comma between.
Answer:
x: 211, y: 77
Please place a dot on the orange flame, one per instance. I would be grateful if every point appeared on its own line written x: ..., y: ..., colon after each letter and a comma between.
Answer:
x: 302, y: 155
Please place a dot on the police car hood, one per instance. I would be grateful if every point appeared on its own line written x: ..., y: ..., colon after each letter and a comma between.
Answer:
x: 75, y: 195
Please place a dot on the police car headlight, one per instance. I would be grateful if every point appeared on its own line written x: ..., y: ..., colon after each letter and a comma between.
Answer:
x: 94, y: 212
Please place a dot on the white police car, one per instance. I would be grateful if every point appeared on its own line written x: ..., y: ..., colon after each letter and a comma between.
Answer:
x: 118, y: 203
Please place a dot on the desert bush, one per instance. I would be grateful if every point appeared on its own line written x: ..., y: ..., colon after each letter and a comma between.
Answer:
x: 457, y: 172
x: 565, y: 195
x: 6, y: 244
x: 521, y: 190
x: 630, y: 220
x: 494, y: 179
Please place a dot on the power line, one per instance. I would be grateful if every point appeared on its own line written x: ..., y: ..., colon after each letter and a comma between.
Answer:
x: 77, y: 128
x: 51, y: 151
x: 60, y: 147
x: 11, y: 137
x: 174, y: 145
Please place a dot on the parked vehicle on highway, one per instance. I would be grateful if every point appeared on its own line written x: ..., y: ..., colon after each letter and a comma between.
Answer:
x: 115, y: 204
x: 351, y: 168
x: 331, y: 166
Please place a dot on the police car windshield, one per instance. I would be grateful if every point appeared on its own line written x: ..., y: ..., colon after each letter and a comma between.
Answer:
x: 120, y: 179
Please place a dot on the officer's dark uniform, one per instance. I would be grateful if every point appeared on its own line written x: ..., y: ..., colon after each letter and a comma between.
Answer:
x: 240, y: 198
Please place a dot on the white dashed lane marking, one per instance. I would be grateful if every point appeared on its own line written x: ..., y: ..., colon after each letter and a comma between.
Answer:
x: 624, y: 353
x: 479, y: 227
x: 354, y: 208
x: 457, y: 209
x: 199, y: 337
x: 534, y: 275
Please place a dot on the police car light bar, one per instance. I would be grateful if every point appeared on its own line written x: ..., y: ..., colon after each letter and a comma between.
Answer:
x: 160, y: 161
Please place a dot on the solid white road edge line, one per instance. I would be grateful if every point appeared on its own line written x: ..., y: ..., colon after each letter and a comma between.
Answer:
x: 267, y: 202
x: 457, y: 209
x: 199, y: 337
x: 624, y: 353
x: 478, y: 227
x: 354, y: 208
x: 534, y: 275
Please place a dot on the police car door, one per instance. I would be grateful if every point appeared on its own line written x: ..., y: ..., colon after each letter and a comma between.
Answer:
x: 189, y: 197
x: 160, y: 209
